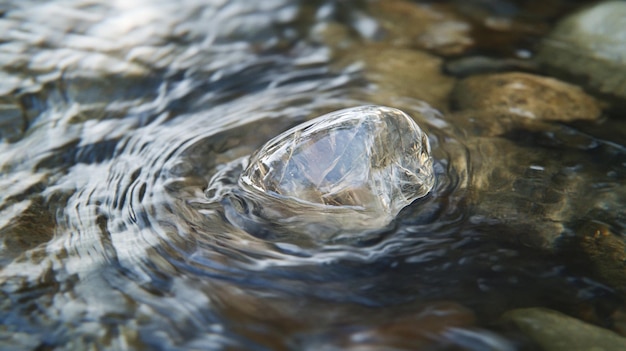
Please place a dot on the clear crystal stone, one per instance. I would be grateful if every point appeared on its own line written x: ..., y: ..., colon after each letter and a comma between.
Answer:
x: 352, y: 169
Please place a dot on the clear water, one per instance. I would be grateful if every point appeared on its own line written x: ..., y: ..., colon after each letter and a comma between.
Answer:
x: 116, y: 115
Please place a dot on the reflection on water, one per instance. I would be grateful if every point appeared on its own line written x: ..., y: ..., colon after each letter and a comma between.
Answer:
x: 115, y: 116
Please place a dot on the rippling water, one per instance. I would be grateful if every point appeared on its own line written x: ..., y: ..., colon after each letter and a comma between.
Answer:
x: 117, y: 115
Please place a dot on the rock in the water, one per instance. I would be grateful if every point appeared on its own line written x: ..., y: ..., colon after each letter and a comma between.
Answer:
x: 555, y: 331
x: 526, y: 95
x: 604, y: 250
x: 404, y: 73
x: 428, y: 27
x: 352, y: 169
x: 590, y: 45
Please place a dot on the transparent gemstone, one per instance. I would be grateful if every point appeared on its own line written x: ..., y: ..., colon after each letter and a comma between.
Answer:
x: 353, y: 169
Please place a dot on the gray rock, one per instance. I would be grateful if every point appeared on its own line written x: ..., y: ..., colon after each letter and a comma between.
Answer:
x: 590, y: 46
x: 555, y: 331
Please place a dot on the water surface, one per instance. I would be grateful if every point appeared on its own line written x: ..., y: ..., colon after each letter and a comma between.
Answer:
x: 115, y: 116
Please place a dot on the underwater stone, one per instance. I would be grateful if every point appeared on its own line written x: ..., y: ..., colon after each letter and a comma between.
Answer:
x: 555, y: 331
x: 588, y: 46
x: 352, y: 169
x: 526, y: 95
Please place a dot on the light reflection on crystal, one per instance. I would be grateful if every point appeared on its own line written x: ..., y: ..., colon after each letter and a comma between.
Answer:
x: 358, y: 167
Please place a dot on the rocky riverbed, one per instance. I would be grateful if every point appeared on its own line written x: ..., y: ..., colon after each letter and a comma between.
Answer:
x: 118, y: 119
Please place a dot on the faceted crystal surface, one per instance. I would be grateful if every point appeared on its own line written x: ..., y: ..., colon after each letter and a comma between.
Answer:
x: 356, y: 167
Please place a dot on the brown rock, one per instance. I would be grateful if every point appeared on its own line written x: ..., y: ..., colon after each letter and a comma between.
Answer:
x: 520, y: 190
x: 428, y: 27
x: 526, y: 95
x: 27, y: 230
x: 404, y: 73
x: 606, y: 251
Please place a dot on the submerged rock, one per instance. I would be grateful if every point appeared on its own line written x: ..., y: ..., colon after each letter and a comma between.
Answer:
x: 526, y: 95
x: 429, y: 27
x: 604, y: 250
x: 555, y: 331
x: 403, y: 73
x: 349, y: 170
x: 589, y: 46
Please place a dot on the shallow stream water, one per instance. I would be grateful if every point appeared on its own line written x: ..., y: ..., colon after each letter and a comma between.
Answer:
x: 116, y: 115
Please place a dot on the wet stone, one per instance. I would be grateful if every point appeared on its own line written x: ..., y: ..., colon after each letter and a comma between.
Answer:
x: 604, y: 250
x: 404, y: 73
x: 27, y: 230
x: 555, y: 331
x: 526, y: 95
x: 512, y: 184
x: 349, y: 170
x: 428, y: 27
x: 588, y: 46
